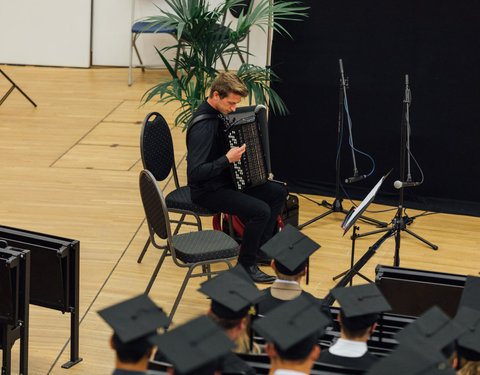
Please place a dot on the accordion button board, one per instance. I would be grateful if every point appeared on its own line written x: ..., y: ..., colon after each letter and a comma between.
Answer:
x: 251, y: 169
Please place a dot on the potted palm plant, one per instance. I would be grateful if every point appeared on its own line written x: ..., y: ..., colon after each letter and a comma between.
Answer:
x: 204, y: 39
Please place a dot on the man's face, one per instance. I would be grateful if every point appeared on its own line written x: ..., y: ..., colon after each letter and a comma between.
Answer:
x: 227, y: 104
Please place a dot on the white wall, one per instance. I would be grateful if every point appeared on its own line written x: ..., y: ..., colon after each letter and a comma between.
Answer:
x: 45, y: 32
x: 111, y: 34
x: 59, y: 33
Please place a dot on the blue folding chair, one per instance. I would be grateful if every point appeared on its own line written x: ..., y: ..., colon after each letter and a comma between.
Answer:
x: 142, y: 27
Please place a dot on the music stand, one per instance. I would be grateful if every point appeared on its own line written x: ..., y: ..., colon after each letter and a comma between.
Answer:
x: 13, y: 87
x: 350, y: 221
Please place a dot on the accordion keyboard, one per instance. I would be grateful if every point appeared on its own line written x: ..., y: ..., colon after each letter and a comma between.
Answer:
x: 250, y: 170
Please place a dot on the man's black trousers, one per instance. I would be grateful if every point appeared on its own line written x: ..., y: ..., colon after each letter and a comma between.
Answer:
x: 257, y: 208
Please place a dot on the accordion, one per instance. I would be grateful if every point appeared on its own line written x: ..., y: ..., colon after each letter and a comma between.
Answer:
x: 248, y: 125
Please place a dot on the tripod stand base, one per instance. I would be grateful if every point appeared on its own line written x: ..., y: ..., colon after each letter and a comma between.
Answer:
x: 336, y: 206
x: 404, y: 221
x: 354, y: 273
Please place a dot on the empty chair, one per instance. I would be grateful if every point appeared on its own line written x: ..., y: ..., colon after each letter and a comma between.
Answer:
x: 143, y: 27
x: 188, y: 250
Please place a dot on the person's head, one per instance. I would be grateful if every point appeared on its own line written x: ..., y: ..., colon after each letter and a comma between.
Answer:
x: 302, y: 355
x: 132, y: 352
x: 357, y: 328
x: 289, y: 250
x: 283, y: 273
x: 134, y: 322
x: 361, y: 306
x: 195, y: 347
x: 292, y: 331
x: 233, y: 295
x: 232, y: 327
x: 226, y: 92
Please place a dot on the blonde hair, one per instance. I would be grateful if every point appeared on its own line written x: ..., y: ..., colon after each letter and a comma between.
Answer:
x: 227, y: 83
x: 468, y: 367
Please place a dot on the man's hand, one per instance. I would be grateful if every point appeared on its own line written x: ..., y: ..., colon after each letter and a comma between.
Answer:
x: 235, y: 153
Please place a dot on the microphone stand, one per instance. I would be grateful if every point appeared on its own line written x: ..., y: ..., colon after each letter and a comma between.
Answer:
x: 400, y: 222
x: 336, y: 206
x: 13, y: 87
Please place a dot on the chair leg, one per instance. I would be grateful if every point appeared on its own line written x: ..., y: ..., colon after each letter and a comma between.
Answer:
x: 179, y: 224
x: 155, y: 273
x: 239, y: 54
x: 138, y: 53
x: 223, y: 62
x: 147, y: 244
x: 180, y: 294
x: 206, y: 269
x: 130, y: 62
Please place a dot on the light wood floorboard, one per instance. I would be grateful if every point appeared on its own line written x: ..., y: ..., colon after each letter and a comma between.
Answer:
x: 70, y: 168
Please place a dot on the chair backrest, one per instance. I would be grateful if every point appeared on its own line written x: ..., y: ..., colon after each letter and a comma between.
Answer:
x: 156, y: 146
x: 154, y: 205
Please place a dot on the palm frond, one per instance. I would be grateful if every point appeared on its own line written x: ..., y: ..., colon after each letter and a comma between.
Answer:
x: 203, y: 40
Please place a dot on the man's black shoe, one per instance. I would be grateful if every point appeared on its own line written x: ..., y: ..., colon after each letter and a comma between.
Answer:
x: 258, y: 275
x: 263, y: 258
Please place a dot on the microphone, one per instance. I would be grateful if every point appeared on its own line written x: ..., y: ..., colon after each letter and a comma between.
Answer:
x: 399, y: 184
x: 353, y: 179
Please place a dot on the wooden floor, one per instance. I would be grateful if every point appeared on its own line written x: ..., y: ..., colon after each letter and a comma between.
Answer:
x: 70, y: 168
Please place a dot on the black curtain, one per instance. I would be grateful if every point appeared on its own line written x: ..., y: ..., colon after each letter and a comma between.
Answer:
x: 435, y: 42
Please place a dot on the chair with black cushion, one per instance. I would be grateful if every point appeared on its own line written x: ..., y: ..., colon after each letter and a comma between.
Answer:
x: 144, y: 27
x: 188, y: 250
x: 156, y: 148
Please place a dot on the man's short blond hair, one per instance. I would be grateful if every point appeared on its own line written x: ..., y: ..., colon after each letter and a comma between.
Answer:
x: 227, y: 83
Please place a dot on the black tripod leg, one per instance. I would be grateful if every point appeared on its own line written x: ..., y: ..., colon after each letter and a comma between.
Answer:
x: 373, y: 221
x: 434, y: 247
x: 14, y: 85
x: 314, y: 219
x: 340, y: 274
x: 373, y: 232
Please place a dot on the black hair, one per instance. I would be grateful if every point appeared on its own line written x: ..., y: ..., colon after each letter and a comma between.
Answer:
x: 131, y: 352
x: 300, y: 350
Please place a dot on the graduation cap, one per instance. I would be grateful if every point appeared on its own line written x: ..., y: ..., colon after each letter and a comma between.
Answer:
x: 293, y: 327
x: 136, y: 318
x: 290, y: 249
x: 468, y: 344
x: 194, y: 345
x: 360, y: 305
x: 412, y: 361
x: 232, y: 293
x: 470, y: 293
x: 433, y: 328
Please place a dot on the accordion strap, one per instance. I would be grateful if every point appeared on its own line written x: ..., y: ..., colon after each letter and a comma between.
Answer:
x: 197, y: 119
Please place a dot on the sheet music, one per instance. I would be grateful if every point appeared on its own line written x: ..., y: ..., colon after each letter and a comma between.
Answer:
x: 362, y: 206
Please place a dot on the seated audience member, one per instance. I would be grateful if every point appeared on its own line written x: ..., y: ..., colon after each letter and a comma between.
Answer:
x: 290, y: 250
x: 133, y: 321
x: 468, y: 344
x: 435, y: 329
x: 360, y: 309
x: 407, y: 360
x: 292, y: 331
x: 194, y: 348
x: 233, y: 295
